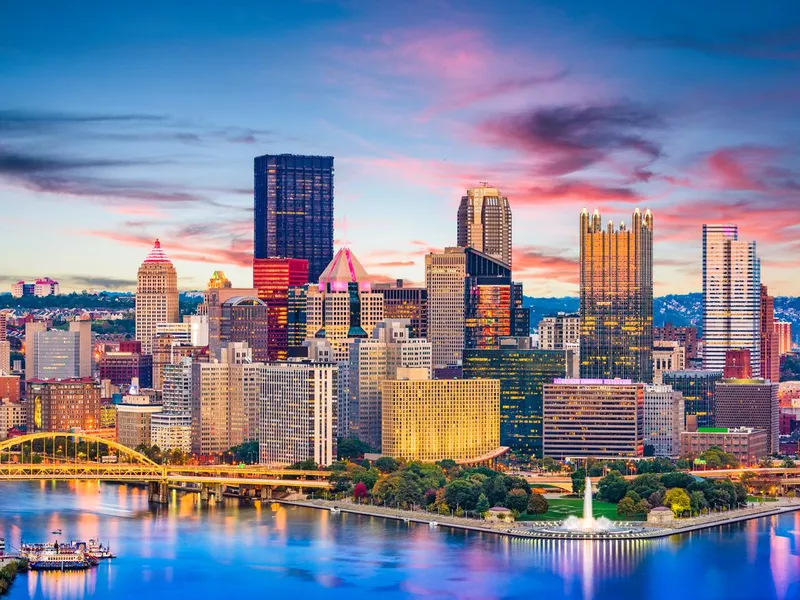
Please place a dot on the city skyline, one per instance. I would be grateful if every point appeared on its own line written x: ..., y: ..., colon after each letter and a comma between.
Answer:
x: 417, y: 104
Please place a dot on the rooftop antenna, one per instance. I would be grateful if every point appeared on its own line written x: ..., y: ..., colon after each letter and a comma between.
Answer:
x: 484, y: 183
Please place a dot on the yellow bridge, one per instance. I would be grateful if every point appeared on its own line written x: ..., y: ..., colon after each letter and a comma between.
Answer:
x: 79, y: 456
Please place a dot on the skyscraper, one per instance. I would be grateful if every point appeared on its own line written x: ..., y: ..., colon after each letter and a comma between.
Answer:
x: 616, y: 298
x: 294, y: 209
x: 273, y: 277
x: 783, y: 329
x: 770, y: 342
x: 444, y: 279
x: 156, y: 296
x: 484, y: 222
x: 731, y: 297
x: 403, y: 302
x: 664, y: 419
x: 698, y: 389
x: 749, y: 403
x: 55, y: 354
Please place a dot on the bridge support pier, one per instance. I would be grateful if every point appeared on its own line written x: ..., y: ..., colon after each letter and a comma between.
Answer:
x: 158, y: 492
x: 265, y: 493
x: 203, y: 494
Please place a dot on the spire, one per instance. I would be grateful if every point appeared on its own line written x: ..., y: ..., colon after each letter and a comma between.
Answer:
x: 157, y: 255
x: 343, y: 269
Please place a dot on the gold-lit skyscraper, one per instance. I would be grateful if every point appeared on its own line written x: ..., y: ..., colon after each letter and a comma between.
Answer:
x: 616, y: 308
x: 484, y: 222
x: 156, y: 296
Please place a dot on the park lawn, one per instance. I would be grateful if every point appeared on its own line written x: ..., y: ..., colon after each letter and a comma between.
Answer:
x: 561, y: 508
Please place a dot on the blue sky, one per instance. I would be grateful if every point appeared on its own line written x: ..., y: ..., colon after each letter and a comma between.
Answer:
x: 123, y: 122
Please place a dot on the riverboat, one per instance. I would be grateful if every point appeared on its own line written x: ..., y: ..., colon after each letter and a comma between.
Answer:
x: 57, y: 557
x: 99, y: 551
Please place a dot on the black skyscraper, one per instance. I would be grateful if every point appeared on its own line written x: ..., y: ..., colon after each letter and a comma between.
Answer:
x: 294, y: 209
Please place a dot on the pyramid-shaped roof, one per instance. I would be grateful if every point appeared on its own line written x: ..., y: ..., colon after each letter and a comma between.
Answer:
x: 344, y: 268
x: 157, y: 255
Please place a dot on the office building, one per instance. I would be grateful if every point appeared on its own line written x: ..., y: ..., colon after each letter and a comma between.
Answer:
x: 169, y: 431
x: 62, y: 405
x: 522, y: 373
x: 667, y: 356
x: 770, y: 342
x: 371, y: 362
x: 294, y: 209
x: 343, y: 307
x: 9, y: 387
x: 435, y: 419
x: 445, y: 273
x: 3, y: 327
x: 40, y: 288
x: 244, y: 319
x: 273, y: 278
x: 5, y: 357
x: 296, y: 317
x: 738, y: 364
x: 749, y: 403
x: 731, y: 297
x: 198, y: 329
x: 484, y: 223
x: 172, y: 428
x: 214, y: 299
x: 224, y: 400
x: 698, y: 391
x: 133, y: 421
x: 664, y: 420
x: 298, y: 413
x: 557, y: 332
x: 747, y: 444
x: 616, y: 298
x: 404, y: 302
x: 218, y: 280
x: 156, y: 296
x: 121, y: 368
x: 12, y: 415
x: 784, y: 331
x: 685, y: 336
x: 56, y: 354
x: 599, y: 418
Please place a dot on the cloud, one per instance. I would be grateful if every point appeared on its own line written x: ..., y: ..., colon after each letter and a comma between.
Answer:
x: 28, y: 121
x: 103, y: 283
x: 392, y: 263
x: 565, y: 139
x: 573, y: 192
x: 533, y: 262
x: 749, y: 167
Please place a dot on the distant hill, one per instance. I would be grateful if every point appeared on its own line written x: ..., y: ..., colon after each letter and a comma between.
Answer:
x: 678, y: 309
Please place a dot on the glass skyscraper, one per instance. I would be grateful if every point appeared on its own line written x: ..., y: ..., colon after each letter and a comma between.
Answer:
x: 616, y: 291
x: 698, y: 389
x: 294, y: 209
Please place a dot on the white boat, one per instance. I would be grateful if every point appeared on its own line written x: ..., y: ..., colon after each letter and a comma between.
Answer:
x: 335, y: 509
x: 433, y: 524
x: 96, y: 549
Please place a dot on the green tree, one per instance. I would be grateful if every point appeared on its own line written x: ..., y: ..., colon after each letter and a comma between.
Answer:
x: 517, y: 499
x: 386, y: 464
x: 246, y: 452
x: 678, y: 500
x: 352, y: 448
x: 676, y: 480
x: 461, y: 492
x: 537, y: 504
x: 368, y: 476
x: 448, y: 464
x: 646, y: 484
x: 496, y: 490
x: 626, y: 507
x: 305, y: 465
x: 409, y: 489
x: 642, y: 507
x: 788, y: 463
x: 550, y: 465
x: 578, y: 480
x: 697, y: 501
x: 483, y: 504
x: 612, y: 487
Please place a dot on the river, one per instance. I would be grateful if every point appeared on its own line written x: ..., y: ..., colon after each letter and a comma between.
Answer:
x: 230, y: 551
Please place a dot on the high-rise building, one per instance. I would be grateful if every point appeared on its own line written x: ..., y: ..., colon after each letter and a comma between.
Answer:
x: 56, y: 354
x: 738, y: 364
x: 343, y: 306
x: 484, y: 223
x: 9, y: 387
x: 296, y: 317
x: 134, y: 416
x: 273, y: 277
x: 219, y: 280
x: 5, y: 357
x: 522, y: 373
x: 616, y: 298
x: 685, y: 336
x: 3, y: 327
x: 667, y: 356
x: 698, y: 391
x: 601, y: 418
x: 747, y: 444
x: 371, y: 362
x: 556, y: 332
x: 61, y: 405
x: 156, y: 296
x: 198, y: 329
x: 770, y: 343
x: 121, y: 368
x: 784, y: 332
x: 445, y: 273
x: 731, y: 297
x: 664, y: 419
x: 436, y: 419
x: 298, y: 413
x: 12, y: 414
x: 294, y: 209
x: 172, y: 428
x: 214, y: 299
x: 245, y: 319
x: 172, y: 343
x: 224, y: 400
x: 403, y: 302
x: 749, y: 403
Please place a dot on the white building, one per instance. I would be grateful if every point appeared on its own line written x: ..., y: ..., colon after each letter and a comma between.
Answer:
x: 731, y: 297
x: 56, y: 354
x: 559, y: 332
x: 298, y: 413
x: 198, y: 329
x: 171, y: 431
x: 12, y: 414
x: 5, y: 357
x: 667, y: 356
x: 156, y: 296
x: 663, y: 419
x: 445, y: 273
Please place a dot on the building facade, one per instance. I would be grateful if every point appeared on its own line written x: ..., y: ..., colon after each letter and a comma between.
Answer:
x: 121, y: 368
x: 484, y: 223
x: 738, y: 364
x: 404, y: 302
x: 731, y: 297
x: 558, y: 332
x: 133, y: 420
x: 747, y: 444
x: 62, y: 405
x: 667, y: 356
x: 245, y: 319
x: 601, y: 418
x: 698, y: 389
x: 664, y: 420
x: 784, y: 331
x: 445, y: 273
x: 12, y: 414
x: 436, y: 419
x: 52, y: 354
x: 9, y: 387
x: 273, y: 277
x: 770, y: 341
x: 685, y: 336
x: 522, y: 373
x: 294, y: 209
x: 749, y: 403
x: 616, y: 298
x: 298, y: 413
x: 156, y: 296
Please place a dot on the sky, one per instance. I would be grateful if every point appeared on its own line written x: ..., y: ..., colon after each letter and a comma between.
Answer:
x: 125, y: 122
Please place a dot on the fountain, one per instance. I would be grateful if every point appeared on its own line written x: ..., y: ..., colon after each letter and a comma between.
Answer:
x: 588, y: 523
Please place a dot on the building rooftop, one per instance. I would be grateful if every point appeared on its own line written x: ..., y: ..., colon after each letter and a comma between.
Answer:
x: 157, y: 255
x: 343, y: 269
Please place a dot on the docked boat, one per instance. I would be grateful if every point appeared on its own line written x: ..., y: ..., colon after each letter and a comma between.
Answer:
x: 99, y: 551
x: 433, y: 524
x: 335, y: 509
x: 57, y: 557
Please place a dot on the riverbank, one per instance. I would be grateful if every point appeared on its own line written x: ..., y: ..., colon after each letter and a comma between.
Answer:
x: 9, y: 571
x: 524, y: 529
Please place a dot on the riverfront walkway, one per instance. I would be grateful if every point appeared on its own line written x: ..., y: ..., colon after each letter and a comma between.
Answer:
x: 522, y: 529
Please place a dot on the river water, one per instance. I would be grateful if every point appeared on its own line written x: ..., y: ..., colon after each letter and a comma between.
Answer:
x: 230, y: 551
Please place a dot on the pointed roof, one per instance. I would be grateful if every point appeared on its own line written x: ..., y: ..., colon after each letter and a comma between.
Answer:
x: 344, y: 268
x: 157, y: 255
